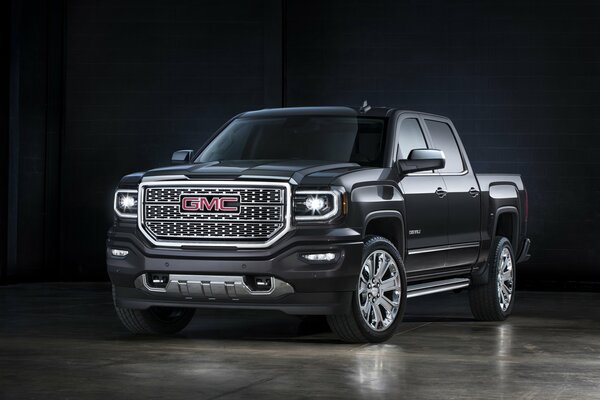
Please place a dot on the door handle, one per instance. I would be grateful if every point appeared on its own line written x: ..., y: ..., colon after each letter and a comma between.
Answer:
x: 473, y: 192
x: 441, y: 193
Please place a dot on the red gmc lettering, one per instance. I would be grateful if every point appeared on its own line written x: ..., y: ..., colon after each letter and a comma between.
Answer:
x: 204, y: 204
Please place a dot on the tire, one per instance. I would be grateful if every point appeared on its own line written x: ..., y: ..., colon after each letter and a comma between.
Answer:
x: 490, y: 301
x: 155, y: 320
x: 369, y: 297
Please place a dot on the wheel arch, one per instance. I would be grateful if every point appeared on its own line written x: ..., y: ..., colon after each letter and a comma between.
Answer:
x: 388, y: 224
x: 506, y: 223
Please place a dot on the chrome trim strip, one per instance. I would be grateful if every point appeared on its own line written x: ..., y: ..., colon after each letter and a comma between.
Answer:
x: 287, y: 220
x: 336, y: 206
x: 465, y: 172
x: 213, y: 287
x: 279, y: 178
x: 163, y: 178
x: 446, y: 285
x: 443, y: 248
x: 119, y: 213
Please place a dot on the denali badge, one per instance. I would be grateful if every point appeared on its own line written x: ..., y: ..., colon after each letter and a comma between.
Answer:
x: 225, y: 204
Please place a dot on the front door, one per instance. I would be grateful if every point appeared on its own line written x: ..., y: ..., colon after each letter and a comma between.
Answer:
x: 426, y: 204
x: 464, y: 209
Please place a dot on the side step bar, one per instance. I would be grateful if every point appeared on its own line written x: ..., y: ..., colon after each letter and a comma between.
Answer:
x: 423, y: 289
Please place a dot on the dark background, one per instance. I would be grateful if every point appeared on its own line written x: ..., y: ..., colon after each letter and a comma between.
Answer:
x: 98, y: 89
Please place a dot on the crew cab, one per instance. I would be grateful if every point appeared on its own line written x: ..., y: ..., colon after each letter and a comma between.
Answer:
x: 336, y: 211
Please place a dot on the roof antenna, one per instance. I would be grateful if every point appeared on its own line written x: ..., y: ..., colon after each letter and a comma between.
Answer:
x: 365, y: 107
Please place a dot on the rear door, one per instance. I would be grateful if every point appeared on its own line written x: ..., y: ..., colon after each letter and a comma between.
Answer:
x: 462, y: 194
x: 425, y: 202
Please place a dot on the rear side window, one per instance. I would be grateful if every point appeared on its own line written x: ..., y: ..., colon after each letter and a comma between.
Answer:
x: 443, y: 139
x: 410, y: 137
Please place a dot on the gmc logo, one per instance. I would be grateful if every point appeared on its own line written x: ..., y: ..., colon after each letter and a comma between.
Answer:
x: 225, y: 204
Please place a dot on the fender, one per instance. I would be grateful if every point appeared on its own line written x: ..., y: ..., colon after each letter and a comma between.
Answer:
x: 388, y: 214
x: 515, y: 233
x: 376, y: 193
x: 378, y: 200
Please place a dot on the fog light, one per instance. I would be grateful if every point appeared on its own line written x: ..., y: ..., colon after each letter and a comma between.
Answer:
x: 319, y: 257
x: 119, y: 253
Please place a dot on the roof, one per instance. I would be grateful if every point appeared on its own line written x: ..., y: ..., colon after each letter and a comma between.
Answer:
x: 330, y: 111
x: 297, y: 111
x: 326, y: 110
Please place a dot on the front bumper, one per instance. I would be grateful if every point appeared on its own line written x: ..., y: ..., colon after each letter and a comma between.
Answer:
x: 316, y: 289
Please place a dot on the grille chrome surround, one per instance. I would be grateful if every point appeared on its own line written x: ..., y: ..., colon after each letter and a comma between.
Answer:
x: 264, y: 217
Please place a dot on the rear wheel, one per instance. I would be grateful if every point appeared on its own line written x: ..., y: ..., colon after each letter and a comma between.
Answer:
x: 155, y: 320
x: 380, y: 297
x: 493, y: 301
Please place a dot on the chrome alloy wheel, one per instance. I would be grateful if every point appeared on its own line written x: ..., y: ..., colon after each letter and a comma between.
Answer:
x: 505, y: 279
x: 379, y: 289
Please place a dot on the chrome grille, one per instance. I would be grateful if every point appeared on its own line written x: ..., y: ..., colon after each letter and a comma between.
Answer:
x: 211, y: 230
x: 248, y: 195
x: 159, y: 212
x: 262, y: 218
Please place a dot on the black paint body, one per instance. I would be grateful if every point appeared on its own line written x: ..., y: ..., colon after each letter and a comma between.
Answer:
x: 455, y: 230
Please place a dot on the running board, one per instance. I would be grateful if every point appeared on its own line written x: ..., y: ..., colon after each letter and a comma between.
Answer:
x: 423, y: 289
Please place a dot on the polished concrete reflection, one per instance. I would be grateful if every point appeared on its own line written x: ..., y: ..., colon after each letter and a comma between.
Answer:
x: 63, y: 341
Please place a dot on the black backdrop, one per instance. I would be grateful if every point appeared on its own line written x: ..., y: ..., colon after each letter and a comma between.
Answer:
x: 99, y: 89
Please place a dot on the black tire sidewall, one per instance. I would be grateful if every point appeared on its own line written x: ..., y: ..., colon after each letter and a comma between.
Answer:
x: 372, y: 244
x: 164, y: 326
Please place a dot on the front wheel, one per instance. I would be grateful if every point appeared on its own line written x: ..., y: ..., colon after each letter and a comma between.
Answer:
x: 494, y: 300
x: 380, y: 297
x: 155, y: 320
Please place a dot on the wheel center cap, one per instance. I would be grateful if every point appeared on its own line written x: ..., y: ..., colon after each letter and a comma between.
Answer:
x: 374, y: 291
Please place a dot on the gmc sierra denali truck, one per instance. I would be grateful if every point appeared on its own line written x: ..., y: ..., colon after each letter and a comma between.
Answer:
x: 329, y: 211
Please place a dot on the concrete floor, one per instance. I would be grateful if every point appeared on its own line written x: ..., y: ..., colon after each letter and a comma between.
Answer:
x: 64, y: 341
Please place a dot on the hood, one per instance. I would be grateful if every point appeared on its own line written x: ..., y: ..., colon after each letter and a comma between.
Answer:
x: 302, y: 172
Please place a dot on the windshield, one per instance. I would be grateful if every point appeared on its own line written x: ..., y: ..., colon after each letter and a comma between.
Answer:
x: 339, y: 139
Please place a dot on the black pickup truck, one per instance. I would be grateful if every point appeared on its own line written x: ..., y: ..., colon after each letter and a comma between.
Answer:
x: 336, y: 211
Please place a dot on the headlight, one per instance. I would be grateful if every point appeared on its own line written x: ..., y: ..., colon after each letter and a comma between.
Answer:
x: 126, y: 203
x: 316, y: 205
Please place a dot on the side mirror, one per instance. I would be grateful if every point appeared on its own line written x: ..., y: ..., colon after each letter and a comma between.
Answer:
x: 182, y: 157
x: 422, y: 160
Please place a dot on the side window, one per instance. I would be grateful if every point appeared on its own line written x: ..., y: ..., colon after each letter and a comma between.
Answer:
x: 410, y: 137
x: 442, y: 138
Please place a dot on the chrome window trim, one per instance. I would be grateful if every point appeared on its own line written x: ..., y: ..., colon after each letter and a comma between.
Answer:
x: 287, y: 219
x: 119, y: 213
x: 331, y: 214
